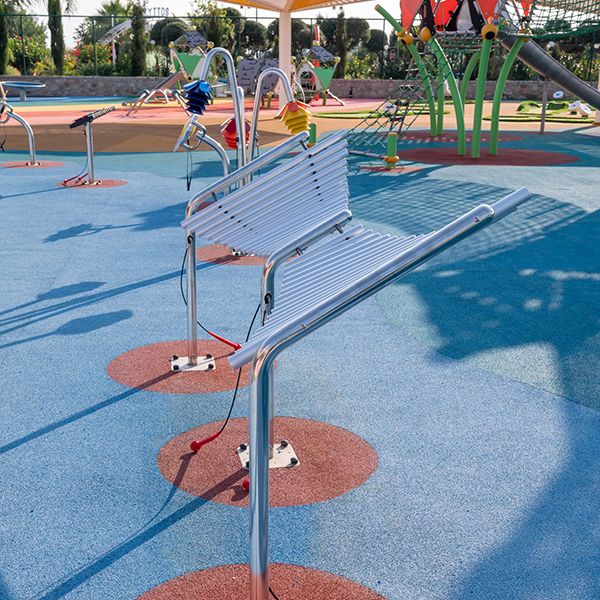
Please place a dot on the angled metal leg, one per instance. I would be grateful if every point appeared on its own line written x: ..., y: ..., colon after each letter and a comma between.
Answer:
x: 260, y: 402
x: 30, y: 137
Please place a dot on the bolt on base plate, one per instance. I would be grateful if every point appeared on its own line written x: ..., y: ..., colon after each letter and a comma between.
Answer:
x: 284, y: 456
x: 205, y: 363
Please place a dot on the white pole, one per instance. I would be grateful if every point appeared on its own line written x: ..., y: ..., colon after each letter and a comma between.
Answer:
x: 285, y: 46
x: 113, y: 46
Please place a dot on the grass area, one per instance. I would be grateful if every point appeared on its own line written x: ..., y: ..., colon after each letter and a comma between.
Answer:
x: 550, y: 118
x: 557, y: 111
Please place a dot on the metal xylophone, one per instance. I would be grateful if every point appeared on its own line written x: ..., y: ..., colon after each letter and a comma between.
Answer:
x: 86, y: 121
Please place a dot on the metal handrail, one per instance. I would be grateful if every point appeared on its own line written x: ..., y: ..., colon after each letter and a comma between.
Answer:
x: 11, y: 114
x: 287, y: 88
x: 237, y: 95
x: 201, y: 135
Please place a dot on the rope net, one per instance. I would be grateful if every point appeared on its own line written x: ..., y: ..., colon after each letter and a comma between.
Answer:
x: 395, y: 115
x: 549, y: 19
x: 399, y: 111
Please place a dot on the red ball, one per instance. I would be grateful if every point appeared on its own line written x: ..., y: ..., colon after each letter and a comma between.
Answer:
x: 246, y: 483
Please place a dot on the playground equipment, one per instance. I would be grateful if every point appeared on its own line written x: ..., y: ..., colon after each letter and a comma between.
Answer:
x: 87, y: 121
x: 198, y: 95
x: 264, y: 222
x: 7, y: 112
x: 248, y: 72
x: 457, y: 37
x: 315, y: 71
x: 193, y: 134
x: 187, y: 54
x: 321, y: 283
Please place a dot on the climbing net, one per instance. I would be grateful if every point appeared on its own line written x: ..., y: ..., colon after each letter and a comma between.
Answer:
x: 550, y: 19
x: 396, y: 114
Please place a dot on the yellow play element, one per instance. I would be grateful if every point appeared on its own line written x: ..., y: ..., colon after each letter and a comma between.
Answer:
x: 295, y: 116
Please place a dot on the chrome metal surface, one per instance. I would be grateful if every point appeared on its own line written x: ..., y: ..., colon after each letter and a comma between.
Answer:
x: 238, y: 102
x: 89, y: 145
x: 11, y: 114
x: 287, y: 88
x: 223, y: 185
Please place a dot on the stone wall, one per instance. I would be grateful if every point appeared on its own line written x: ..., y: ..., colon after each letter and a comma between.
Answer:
x: 344, y: 88
x: 90, y: 86
x: 374, y: 88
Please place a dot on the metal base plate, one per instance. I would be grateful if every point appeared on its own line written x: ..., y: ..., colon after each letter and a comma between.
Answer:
x: 205, y: 363
x: 284, y: 456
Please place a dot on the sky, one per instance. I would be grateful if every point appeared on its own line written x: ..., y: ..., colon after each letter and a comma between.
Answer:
x: 181, y: 8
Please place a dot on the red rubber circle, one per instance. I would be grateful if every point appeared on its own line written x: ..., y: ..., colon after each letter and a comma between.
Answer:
x: 231, y: 582
x: 333, y: 461
x: 102, y: 183
x: 451, y: 137
x: 505, y: 157
x: 222, y: 255
x: 149, y: 368
x: 42, y: 164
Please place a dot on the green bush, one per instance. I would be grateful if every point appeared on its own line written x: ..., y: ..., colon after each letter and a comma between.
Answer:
x: 24, y: 53
x: 84, y: 60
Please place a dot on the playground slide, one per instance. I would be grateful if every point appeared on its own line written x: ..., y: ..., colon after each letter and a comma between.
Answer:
x: 531, y: 54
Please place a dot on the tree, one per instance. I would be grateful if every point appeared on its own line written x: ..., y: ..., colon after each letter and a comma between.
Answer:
x: 213, y: 22
x: 327, y: 27
x: 254, y: 37
x: 110, y: 13
x: 300, y: 36
x: 357, y: 32
x: 377, y: 40
x: 238, y: 23
x: 167, y: 30
x: 57, y: 38
x: 7, y: 7
x: 4, y: 8
x: 138, y: 46
x: 341, y: 45
x: 28, y: 27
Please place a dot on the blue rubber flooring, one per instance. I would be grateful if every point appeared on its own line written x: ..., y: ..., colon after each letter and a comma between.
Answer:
x: 475, y: 378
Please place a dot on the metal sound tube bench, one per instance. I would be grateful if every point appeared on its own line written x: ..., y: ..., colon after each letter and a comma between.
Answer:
x: 317, y: 287
x: 276, y: 215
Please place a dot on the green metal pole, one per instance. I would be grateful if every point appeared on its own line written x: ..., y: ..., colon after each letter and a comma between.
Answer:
x: 423, y: 73
x: 486, y: 50
x: 499, y: 92
x: 464, y: 84
x: 425, y: 77
x: 391, y: 157
x: 440, y: 104
x: 444, y: 65
x: 312, y: 134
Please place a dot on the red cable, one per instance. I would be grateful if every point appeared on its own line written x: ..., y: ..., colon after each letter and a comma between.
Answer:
x: 234, y: 345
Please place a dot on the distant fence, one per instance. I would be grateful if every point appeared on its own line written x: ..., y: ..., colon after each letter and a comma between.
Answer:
x: 88, y: 39
x: 371, y: 47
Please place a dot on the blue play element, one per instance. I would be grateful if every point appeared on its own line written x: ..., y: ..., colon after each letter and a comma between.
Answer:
x: 198, y: 94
